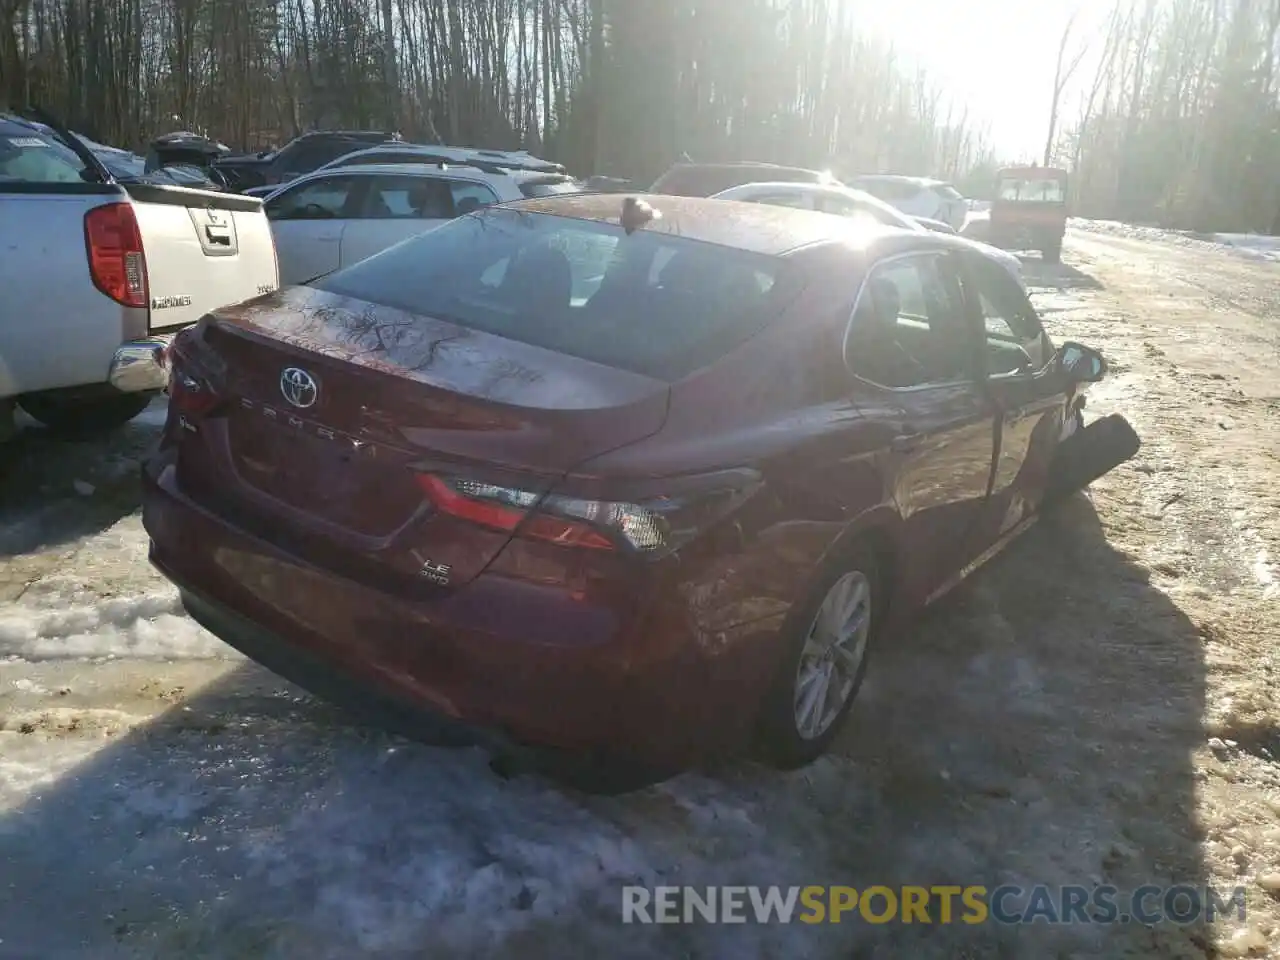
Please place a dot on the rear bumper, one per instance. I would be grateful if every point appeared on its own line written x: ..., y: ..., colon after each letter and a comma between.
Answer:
x: 140, y: 365
x: 519, y: 662
x: 1016, y: 236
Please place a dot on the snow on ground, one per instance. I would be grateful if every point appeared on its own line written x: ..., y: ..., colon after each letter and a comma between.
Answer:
x: 77, y: 624
x: 1248, y: 245
x: 1097, y: 706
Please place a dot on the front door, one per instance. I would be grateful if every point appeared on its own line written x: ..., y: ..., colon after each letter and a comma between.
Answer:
x: 1028, y: 396
x: 909, y: 337
x: 307, y: 224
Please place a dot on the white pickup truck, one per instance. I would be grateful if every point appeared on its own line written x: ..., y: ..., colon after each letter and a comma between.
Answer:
x: 97, y: 274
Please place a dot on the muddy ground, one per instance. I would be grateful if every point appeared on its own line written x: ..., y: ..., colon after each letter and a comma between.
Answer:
x: 1099, y: 705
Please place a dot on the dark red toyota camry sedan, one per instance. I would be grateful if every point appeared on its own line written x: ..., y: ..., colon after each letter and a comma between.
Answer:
x: 641, y: 477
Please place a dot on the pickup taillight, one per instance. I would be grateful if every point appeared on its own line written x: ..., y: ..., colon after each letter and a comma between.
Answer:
x: 117, y: 264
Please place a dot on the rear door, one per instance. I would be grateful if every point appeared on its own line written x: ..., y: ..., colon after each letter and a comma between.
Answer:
x: 308, y: 220
x: 203, y: 249
x: 908, y: 336
x: 1028, y: 399
x: 395, y: 207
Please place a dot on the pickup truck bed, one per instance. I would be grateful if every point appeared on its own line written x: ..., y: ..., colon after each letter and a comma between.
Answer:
x: 98, y: 276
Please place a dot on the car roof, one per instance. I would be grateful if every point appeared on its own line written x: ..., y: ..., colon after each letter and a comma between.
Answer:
x: 359, y: 134
x: 430, y: 170
x: 890, y: 178
x: 827, y: 189
x: 508, y: 161
x: 754, y: 227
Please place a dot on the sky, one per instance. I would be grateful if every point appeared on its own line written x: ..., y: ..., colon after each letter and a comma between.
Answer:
x: 995, y: 56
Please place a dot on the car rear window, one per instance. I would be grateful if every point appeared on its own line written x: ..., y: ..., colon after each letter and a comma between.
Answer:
x: 654, y: 304
x: 1034, y: 191
x: 549, y: 187
x: 30, y: 156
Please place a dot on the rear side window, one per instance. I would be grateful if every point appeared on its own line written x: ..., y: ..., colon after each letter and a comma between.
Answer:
x: 794, y: 200
x: 847, y: 207
x: 548, y: 188
x: 407, y: 198
x: 28, y: 156
x: 469, y: 196
x: 654, y: 304
x: 947, y: 192
x: 890, y: 190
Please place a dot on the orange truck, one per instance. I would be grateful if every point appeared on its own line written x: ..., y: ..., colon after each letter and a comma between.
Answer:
x: 1029, y: 211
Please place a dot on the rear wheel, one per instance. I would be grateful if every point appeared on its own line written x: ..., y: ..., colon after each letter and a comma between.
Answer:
x: 85, y: 415
x: 828, y: 640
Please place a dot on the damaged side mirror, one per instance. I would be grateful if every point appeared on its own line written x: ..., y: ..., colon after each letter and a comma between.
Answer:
x: 1082, y: 364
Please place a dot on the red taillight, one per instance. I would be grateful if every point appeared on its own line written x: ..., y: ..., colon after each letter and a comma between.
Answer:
x: 501, y: 508
x: 653, y: 528
x: 192, y: 389
x: 190, y: 395
x: 117, y: 263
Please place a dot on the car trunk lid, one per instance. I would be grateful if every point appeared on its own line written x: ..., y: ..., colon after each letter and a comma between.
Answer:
x: 335, y: 409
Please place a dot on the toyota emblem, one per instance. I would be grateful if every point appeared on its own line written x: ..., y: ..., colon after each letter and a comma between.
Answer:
x: 299, y: 387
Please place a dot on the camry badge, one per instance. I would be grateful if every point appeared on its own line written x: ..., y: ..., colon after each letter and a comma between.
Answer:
x: 299, y: 387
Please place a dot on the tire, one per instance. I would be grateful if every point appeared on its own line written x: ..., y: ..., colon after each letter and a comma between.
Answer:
x: 83, y: 416
x: 783, y: 741
x: 1052, y: 253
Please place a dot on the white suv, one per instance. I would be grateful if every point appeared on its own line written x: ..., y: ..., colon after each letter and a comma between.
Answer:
x: 492, y: 161
x: 918, y: 197
x: 425, y: 153
x: 335, y: 216
x: 846, y: 202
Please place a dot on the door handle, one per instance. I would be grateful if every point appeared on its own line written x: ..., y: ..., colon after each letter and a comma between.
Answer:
x: 905, y: 442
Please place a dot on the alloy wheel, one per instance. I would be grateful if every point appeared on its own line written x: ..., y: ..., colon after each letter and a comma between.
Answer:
x: 833, y: 653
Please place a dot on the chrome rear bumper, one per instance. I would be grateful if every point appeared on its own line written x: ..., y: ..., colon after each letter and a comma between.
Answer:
x: 141, y: 365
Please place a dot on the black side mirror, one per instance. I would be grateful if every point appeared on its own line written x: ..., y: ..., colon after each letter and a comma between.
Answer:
x: 1082, y: 364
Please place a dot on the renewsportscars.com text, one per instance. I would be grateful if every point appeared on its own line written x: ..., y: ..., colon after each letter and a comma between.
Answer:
x: 1148, y: 905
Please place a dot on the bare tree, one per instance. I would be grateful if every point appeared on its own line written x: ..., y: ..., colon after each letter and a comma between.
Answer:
x: 1182, y: 124
x: 613, y: 86
x: 1062, y: 74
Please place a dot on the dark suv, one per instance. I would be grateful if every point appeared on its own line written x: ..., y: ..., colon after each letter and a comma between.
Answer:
x: 300, y: 155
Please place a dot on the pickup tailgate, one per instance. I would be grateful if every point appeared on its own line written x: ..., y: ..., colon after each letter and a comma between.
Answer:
x: 204, y: 250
